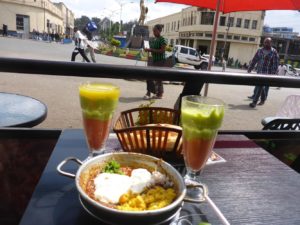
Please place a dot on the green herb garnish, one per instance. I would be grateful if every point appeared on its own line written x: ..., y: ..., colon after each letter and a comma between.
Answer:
x: 112, y: 167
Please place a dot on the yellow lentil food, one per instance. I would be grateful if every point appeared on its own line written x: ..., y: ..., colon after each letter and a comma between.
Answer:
x: 154, y: 198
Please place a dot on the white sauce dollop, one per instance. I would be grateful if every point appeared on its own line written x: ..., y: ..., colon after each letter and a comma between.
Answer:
x: 109, y: 187
x: 140, y: 179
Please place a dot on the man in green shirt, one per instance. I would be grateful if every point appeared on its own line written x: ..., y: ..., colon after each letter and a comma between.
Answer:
x: 157, y: 49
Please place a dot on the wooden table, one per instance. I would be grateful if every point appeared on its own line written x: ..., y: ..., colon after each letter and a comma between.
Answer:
x: 252, y: 187
x: 21, y: 111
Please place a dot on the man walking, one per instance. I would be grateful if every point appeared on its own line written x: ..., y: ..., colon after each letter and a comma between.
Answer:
x: 89, y: 48
x: 267, y: 61
x: 80, y: 40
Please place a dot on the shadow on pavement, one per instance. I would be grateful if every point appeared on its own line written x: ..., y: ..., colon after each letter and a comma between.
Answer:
x: 131, y: 99
x: 240, y: 107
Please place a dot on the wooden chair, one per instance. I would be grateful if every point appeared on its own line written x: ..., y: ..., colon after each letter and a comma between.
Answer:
x: 287, y: 117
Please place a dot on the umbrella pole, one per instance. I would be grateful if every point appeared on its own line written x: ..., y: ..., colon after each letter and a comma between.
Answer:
x: 213, y: 40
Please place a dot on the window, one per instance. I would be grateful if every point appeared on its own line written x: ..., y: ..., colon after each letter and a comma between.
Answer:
x: 222, y: 21
x: 238, y: 22
x: 20, y: 22
x: 193, y: 52
x: 229, y: 36
x: 230, y: 21
x: 246, y: 24
x: 254, y: 24
x: 244, y: 38
x: 220, y: 35
x: 48, y: 23
x: 208, y: 35
x: 184, y: 50
x: 199, y: 34
x: 178, y: 25
x: 252, y: 39
x: 235, y: 37
x: 207, y: 18
x: 172, y: 42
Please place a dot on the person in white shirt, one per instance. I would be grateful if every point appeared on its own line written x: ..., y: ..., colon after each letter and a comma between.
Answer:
x: 80, y: 43
x: 281, y: 71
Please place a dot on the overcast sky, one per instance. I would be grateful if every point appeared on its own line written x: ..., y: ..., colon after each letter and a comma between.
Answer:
x: 131, y: 11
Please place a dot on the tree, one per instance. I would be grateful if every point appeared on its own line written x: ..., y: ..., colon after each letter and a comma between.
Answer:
x: 81, y: 22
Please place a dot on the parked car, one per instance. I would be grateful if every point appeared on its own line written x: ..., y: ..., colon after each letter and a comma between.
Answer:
x: 190, y: 56
x: 207, y: 56
x: 292, y: 71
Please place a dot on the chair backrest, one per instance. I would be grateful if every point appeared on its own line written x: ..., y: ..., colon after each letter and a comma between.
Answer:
x: 290, y: 107
x: 283, y: 124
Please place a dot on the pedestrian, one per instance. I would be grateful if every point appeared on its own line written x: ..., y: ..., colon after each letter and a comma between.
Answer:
x: 57, y: 38
x: 157, y: 50
x: 79, y: 45
x: 52, y: 36
x: 4, y: 30
x: 281, y: 71
x: 223, y: 65
x: 266, y: 60
x: 89, y: 48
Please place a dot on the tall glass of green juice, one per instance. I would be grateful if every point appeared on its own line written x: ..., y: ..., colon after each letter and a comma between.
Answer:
x: 201, y: 117
x: 98, y: 102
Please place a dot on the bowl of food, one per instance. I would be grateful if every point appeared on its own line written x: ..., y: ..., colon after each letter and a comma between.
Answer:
x: 128, y: 188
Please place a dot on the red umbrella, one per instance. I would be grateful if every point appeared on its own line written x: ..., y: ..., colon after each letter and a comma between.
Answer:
x: 227, y: 6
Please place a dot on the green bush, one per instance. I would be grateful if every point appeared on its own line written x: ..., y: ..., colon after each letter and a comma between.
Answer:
x: 115, y: 42
x: 169, y: 48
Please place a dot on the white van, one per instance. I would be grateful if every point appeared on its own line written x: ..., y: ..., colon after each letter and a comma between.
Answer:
x: 292, y: 71
x: 188, y: 55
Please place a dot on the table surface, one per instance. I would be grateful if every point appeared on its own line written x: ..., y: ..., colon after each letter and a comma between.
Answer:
x: 20, y: 111
x: 251, y: 187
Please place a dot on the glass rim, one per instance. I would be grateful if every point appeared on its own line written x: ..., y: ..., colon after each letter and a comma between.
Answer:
x: 215, y: 101
x: 109, y: 86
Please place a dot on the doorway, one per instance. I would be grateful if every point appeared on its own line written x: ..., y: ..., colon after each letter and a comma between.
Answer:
x: 202, y: 49
x: 23, y: 26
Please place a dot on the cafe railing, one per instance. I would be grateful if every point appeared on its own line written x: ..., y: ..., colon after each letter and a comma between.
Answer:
x: 22, y: 141
x: 58, y: 68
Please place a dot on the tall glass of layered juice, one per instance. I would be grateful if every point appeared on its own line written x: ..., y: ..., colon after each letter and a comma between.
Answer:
x: 201, y: 117
x: 98, y: 102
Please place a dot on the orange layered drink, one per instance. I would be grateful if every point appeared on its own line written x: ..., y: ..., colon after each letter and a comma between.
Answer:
x: 98, y: 102
x: 201, y: 118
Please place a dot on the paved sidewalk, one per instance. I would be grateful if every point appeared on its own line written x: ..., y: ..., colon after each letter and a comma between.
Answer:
x: 60, y: 94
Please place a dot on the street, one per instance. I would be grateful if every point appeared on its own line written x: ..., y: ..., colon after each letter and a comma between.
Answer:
x: 60, y: 94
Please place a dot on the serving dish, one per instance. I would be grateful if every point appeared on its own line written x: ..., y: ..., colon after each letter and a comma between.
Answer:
x: 118, y: 217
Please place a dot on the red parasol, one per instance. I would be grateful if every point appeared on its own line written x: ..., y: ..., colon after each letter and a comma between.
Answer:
x: 227, y: 6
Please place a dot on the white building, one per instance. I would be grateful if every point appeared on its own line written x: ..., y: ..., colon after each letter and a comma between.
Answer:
x: 238, y: 33
x: 24, y: 16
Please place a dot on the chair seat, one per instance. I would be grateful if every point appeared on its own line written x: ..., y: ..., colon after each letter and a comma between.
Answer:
x: 268, y: 119
x: 283, y: 124
x: 287, y: 117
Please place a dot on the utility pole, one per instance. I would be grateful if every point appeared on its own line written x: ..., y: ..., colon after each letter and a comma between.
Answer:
x: 121, y: 6
x: 44, y: 5
x: 227, y: 30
